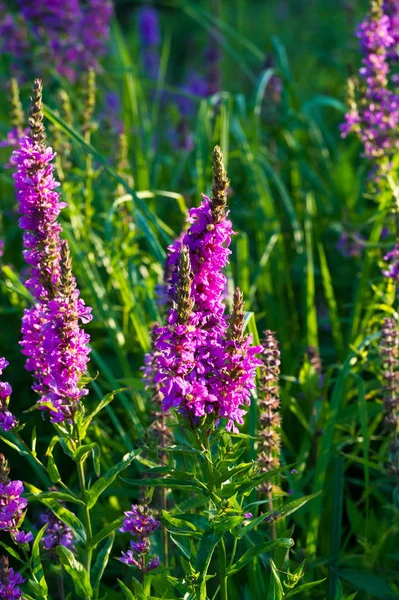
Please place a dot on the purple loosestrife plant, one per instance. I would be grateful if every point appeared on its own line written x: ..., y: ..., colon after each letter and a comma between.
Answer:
x: 374, y: 117
x: 200, y: 370
x: 7, y: 419
x: 53, y: 341
x: 10, y: 581
x: 140, y: 523
x: 69, y: 36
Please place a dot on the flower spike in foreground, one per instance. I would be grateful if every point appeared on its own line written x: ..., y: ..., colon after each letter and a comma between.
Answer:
x: 56, y: 346
x: 140, y: 523
x: 200, y: 366
x: 7, y: 419
x: 10, y: 581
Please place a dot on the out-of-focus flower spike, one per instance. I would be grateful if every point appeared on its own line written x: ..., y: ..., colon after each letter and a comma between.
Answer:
x: 89, y: 101
x: 17, y: 113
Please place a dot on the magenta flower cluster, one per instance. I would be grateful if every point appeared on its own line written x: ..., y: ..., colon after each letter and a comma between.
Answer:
x: 12, y: 505
x: 55, y: 344
x: 375, y: 117
x: 198, y: 369
x: 140, y: 523
x: 7, y: 419
x: 68, y: 36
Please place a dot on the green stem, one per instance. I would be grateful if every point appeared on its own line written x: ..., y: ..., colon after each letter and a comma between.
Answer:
x: 61, y: 591
x: 223, y: 570
x: 82, y: 483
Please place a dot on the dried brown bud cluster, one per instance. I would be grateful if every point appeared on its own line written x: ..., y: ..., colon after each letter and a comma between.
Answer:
x: 219, y: 186
x: 4, y: 470
x: 390, y: 364
x: 236, y: 324
x: 35, y: 119
x: 269, y: 409
x: 184, y: 301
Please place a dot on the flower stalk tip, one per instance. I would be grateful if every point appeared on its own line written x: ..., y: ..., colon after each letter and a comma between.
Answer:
x: 221, y: 182
x: 35, y: 119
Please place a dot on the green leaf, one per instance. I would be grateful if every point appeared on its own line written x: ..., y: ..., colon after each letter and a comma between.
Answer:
x: 302, y: 588
x: 126, y: 591
x: 206, y: 548
x: 37, y: 590
x: 101, y: 563
x: 167, y: 482
x: 61, y: 496
x: 374, y: 585
x: 66, y: 516
x: 76, y: 571
x: 37, y: 569
x: 102, y: 404
x: 105, y: 531
x: 101, y: 485
x: 11, y: 551
x: 94, y: 449
x: 52, y: 470
x: 259, y: 549
x: 275, y: 591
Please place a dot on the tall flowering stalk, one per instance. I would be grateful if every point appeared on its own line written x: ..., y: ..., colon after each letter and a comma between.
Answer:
x: 374, y: 116
x: 56, y: 346
x: 269, y: 413
x: 389, y: 349
x: 140, y: 523
x: 373, y: 102
x: 200, y: 370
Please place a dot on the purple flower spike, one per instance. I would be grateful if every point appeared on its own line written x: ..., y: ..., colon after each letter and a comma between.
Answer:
x: 10, y: 581
x: 53, y: 341
x: 7, y: 419
x: 201, y: 365
x: 140, y: 523
x: 375, y: 117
